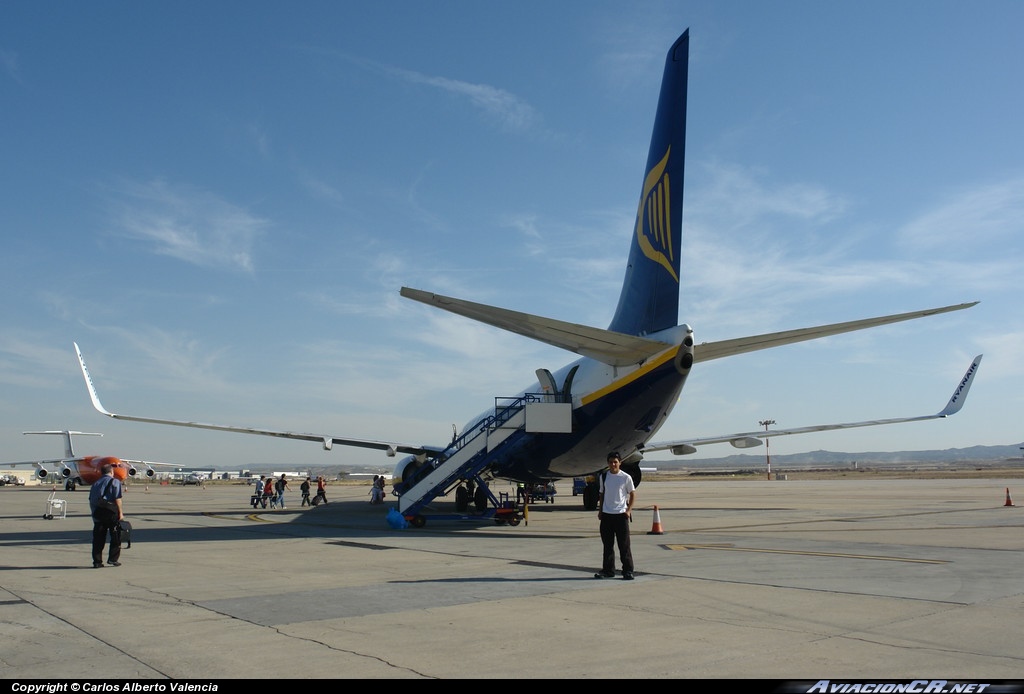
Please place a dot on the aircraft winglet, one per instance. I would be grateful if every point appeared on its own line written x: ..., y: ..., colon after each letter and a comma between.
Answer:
x: 960, y: 394
x: 89, y: 384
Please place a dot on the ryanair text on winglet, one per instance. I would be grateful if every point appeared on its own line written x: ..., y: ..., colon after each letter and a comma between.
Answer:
x: 963, y: 383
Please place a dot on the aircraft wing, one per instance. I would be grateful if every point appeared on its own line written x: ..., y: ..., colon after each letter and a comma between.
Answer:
x: 58, y: 467
x: 326, y: 440
x: 42, y: 463
x: 750, y: 439
x: 726, y: 348
x: 131, y: 461
x: 606, y: 346
x: 57, y: 464
x: 68, y: 461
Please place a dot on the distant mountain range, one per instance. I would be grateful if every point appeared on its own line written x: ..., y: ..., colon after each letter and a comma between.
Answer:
x: 1011, y: 455
x: 1008, y: 456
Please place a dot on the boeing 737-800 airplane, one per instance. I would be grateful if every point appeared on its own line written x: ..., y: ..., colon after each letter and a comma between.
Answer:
x: 629, y: 377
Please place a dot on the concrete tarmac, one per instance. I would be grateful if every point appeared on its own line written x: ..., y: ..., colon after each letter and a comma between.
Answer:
x: 795, y: 580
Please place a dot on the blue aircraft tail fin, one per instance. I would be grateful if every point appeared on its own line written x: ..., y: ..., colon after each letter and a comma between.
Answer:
x: 650, y: 291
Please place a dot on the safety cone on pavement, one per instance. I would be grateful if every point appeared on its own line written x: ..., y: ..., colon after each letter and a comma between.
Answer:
x: 1009, y: 501
x: 656, y: 527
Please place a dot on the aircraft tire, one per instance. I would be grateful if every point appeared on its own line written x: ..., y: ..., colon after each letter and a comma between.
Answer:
x: 461, y: 499
x: 480, y: 499
x: 418, y: 521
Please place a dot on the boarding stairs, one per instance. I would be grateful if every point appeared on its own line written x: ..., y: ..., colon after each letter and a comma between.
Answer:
x: 473, y: 451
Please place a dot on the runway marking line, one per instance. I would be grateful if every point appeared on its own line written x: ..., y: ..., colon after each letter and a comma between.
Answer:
x: 734, y: 548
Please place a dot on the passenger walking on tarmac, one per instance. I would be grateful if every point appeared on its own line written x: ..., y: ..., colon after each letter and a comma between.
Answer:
x: 321, y: 490
x: 281, y: 486
x: 269, y: 495
x: 615, y: 509
x: 257, y: 496
x: 107, y: 514
x: 377, y: 492
x: 304, y: 487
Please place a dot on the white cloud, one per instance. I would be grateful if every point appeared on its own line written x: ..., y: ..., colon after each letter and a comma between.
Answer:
x: 984, y: 215
x: 191, y: 225
x: 736, y: 196
x: 28, y: 360
x: 508, y: 110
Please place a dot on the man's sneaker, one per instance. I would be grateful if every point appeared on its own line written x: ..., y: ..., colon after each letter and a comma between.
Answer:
x: 605, y: 574
x: 113, y: 563
x: 627, y: 576
x: 97, y: 565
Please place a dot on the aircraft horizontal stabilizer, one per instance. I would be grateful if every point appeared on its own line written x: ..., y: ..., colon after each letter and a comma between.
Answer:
x: 750, y: 439
x: 707, y: 351
x: 326, y: 440
x: 606, y: 346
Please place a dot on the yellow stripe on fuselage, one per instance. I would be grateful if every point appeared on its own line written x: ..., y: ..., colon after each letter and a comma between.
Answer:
x: 650, y: 366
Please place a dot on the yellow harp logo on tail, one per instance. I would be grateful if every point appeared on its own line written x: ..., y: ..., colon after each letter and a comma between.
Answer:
x: 653, y: 222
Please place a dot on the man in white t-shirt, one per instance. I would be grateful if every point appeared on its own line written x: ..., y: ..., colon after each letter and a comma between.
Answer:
x: 615, y: 510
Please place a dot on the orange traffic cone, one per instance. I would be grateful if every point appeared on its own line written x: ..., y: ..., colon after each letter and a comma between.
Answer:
x: 1009, y: 501
x: 656, y: 527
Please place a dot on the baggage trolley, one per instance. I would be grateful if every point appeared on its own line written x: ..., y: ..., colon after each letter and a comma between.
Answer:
x: 55, y: 508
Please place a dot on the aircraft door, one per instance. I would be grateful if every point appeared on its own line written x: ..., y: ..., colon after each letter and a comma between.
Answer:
x: 550, y: 388
x: 567, y: 386
x: 547, y: 385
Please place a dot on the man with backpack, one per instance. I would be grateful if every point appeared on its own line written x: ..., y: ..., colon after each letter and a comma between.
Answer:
x: 107, y: 513
x: 281, y: 486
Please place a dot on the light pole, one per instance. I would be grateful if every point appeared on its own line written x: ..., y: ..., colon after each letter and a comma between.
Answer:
x: 765, y: 423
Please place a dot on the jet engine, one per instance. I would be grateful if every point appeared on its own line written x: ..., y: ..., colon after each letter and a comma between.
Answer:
x: 61, y: 470
x: 405, y: 472
x: 145, y: 471
x: 408, y: 471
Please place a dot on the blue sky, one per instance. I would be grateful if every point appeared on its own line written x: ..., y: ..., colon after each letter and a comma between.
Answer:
x: 220, y: 201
